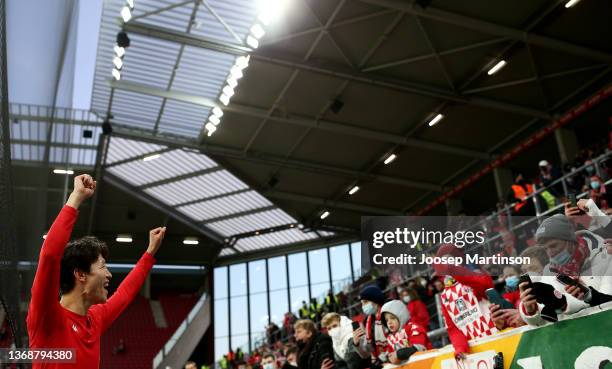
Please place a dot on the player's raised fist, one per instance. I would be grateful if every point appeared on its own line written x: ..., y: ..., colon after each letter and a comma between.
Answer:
x: 84, y: 186
x: 156, y: 236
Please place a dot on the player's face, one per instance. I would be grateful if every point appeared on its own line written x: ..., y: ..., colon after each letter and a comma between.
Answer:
x: 96, y: 287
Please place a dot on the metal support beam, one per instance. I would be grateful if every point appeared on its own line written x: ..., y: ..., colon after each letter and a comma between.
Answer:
x: 268, y: 159
x: 492, y: 28
x: 184, y: 38
x: 181, y: 177
x: 367, y: 209
x: 331, y: 70
x: 239, y: 214
x: 303, y: 121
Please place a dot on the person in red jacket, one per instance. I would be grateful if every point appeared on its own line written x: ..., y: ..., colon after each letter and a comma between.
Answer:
x: 404, y: 338
x: 464, y: 304
x: 416, y: 308
x: 78, y: 269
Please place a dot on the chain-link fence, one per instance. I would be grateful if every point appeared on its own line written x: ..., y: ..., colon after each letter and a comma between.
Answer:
x: 9, y: 277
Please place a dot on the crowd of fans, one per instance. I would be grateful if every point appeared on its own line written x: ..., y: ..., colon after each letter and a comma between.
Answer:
x: 380, y: 320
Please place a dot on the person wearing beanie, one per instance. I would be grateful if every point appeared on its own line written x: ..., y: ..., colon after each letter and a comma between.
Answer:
x: 404, y: 338
x: 464, y: 303
x: 371, y: 341
x: 582, y: 253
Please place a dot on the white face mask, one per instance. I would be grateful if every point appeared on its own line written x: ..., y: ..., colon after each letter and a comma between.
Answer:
x: 268, y: 366
x: 334, y: 333
x: 292, y: 363
x: 406, y: 299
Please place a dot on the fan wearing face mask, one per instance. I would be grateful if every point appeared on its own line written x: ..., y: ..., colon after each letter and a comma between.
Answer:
x: 269, y: 362
x: 340, y: 329
x: 371, y: 341
x: 416, y: 308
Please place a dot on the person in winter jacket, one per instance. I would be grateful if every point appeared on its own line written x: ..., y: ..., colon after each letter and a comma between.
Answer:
x: 316, y: 349
x: 404, y: 338
x: 340, y: 329
x: 371, y: 340
x: 416, y: 308
x: 464, y: 304
x: 575, y: 253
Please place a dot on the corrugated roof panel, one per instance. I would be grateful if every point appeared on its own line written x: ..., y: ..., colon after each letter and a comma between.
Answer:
x: 176, y: 19
x: 195, y: 188
x: 149, y: 59
x: 225, y: 206
x: 227, y: 251
x: 183, y: 116
x: 168, y: 165
x: 29, y: 130
x: 252, y: 222
x: 27, y: 152
x: 122, y: 149
x: 135, y: 110
x: 239, y: 15
x: 284, y: 237
x: 202, y: 72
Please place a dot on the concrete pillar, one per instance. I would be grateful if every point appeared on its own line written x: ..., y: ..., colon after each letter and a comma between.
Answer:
x: 453, y: 207
x: 567, y: 143
x: 503, y: 182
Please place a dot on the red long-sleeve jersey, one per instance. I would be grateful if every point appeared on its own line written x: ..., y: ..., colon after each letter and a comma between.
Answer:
x: 52, y: 326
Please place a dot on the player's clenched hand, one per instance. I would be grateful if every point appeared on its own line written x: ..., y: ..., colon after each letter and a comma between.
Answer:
x: 156, y: 237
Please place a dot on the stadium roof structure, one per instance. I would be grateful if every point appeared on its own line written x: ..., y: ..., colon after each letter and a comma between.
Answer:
x: 333, y: 89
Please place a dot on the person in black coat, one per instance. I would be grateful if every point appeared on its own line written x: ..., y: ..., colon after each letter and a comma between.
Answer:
x: 316, y: 350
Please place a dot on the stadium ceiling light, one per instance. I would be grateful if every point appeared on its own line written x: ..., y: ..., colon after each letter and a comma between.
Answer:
x: 236, y: 72
x: 118, y: 62
x: 224, y: 99
x: 228, y: 90
x: 243, y: 61
x: 252, y: 42
x: 119, y: 51
x: 325, y: 214
x: 191, y: 241
x: 214, y: 120
x: 231, y: 81
x: 211, y: 128
x: 116, y: 74
x: 130, y: 3
x: 354, y: 190
x: 44, y: 236
x: 151, y: 157
x: 571, y: 3
x: 435, y: 120
x: 217, y: 112
x: 124, y: 238
x: 390, y: 159
x: 496, y: 67
x: 257, y: 31
x: 126, y: 14
x: 63, y: 171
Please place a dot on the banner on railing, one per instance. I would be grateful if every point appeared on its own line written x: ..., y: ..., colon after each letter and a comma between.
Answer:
x: 580, y: 343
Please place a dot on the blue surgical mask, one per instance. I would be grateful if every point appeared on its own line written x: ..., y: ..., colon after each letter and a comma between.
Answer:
x: 368, y: 308
x: 268, y: 366
x: 594, y: 185
x: 561, y: 258
x: 512, y: 282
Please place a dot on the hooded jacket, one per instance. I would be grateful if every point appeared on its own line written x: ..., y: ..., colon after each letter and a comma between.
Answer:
x: 409, y: 335
x: 341, y: 335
